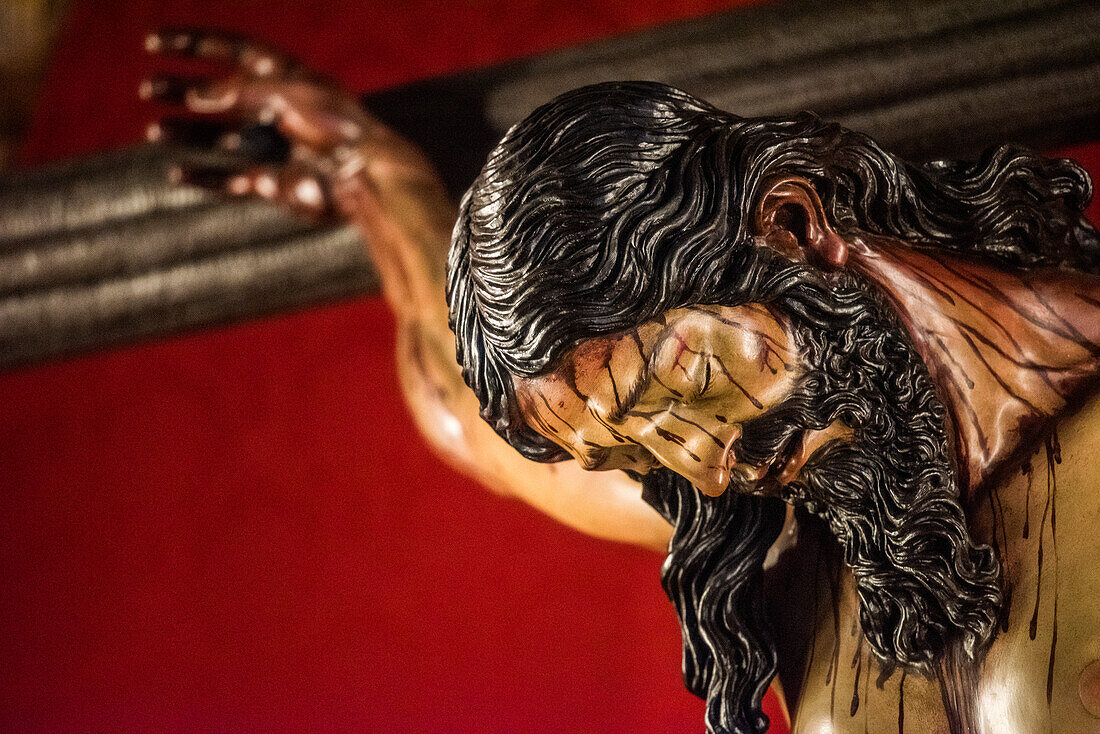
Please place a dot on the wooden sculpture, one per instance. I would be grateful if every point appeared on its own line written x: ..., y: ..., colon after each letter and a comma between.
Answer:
x: 876, y: 378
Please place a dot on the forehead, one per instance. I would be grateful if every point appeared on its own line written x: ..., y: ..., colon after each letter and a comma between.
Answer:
x: 597, y: 360
x: 673, y: 390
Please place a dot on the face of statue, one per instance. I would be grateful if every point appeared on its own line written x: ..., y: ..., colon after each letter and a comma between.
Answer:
x: 644, y: 198
x: 675, y: 391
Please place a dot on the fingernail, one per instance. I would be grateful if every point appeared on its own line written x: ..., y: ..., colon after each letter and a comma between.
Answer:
x: 153, y: 43
x: 264, y: 66
x: 175, y: 175
x: 239, y: 185
x: 267, y: 186
x: 154, y: 132
x: 230, y: 141
x: 351, y: 131
x: 310, y: 194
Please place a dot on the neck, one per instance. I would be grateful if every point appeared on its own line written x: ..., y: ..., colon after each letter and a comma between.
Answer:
x: 1008, y: 350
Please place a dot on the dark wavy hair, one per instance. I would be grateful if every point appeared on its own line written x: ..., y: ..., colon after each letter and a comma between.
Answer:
x: 617, y: 202
x: 888, y: 495
x: 714, y: 576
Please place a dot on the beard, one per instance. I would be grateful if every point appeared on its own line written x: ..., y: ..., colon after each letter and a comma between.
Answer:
x: 888, y: 495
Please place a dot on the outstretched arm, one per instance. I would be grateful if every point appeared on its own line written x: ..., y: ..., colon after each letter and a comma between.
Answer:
x: 342, y: 161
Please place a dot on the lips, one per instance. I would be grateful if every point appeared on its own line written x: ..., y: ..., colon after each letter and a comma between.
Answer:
x: 768, y: 476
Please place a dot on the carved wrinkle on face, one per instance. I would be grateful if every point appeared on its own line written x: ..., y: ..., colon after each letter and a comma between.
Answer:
x: 674, y: 391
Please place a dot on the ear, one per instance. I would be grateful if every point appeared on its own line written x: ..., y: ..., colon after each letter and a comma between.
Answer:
x: 791, y: 219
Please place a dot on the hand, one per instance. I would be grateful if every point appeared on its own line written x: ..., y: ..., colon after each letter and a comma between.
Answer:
x: 338, y: 155
x: 341, y: 160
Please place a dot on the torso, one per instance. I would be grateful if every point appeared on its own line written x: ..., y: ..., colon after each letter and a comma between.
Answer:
x: 1043, y: 516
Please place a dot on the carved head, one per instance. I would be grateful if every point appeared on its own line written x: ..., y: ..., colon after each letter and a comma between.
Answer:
x: 642, y: 282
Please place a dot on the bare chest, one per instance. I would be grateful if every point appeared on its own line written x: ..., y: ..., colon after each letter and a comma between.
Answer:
x: 1042, y: 673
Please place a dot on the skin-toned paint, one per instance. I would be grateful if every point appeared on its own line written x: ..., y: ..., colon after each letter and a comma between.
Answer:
x: 1041, y: 673
x: 1008, y: 349
x: 674, y: 391
x: 385, y: 186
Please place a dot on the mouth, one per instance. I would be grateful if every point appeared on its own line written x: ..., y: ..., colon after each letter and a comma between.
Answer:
x: 639, y: 463
x: 767, y: 478
x: 770, y: 476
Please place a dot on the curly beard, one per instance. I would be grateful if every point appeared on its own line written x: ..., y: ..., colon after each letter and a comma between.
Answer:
x: 889, y: 497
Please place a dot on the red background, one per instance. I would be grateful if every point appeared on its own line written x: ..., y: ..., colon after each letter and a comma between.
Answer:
x: 240, y: 530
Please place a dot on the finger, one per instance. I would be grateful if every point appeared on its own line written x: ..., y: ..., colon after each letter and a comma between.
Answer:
x: 262, y: 100
x: 213, y: 96
x: 307, y: 112
x: 300, y: 110
x: 168, y: 88
x: 304, y: 192
x: 295, y: 187
x: 217, y: 96
x: 223, y: 47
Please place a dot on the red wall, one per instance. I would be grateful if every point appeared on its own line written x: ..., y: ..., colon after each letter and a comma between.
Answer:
x: 240, y: 530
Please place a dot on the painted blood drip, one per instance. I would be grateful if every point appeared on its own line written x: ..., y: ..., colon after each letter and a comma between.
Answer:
x: 1026, y: 470
x: 1043, y: 321
x: 866, y: 697
x: 676, y: 439
x: 817, y: 602
x: 1054, y: 457
x: 1030, y: 304
x: 701, y: 429
x: 770, y: 344
x: 997, y: 509
x: 671, y: 389
x: 833, y: 672
x: 682, y: 347
x: 901, y: 704
x: 614, y: 385
x: 857, y: 663
x: 1050, y: 509
x: 1033, y: 627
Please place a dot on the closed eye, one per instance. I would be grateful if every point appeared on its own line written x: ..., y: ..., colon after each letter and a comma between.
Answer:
x: 632, y: 396
x: 706, y: 377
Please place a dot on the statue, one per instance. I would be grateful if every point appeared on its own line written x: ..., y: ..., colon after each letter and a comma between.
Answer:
x: 876, y: 378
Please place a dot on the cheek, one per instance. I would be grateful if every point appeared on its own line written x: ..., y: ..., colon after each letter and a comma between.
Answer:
x: 545, y: 412
x: 625, y: 456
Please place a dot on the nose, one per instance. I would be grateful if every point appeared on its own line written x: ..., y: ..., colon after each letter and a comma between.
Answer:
x: 718, y: 465
x: 702, y: 454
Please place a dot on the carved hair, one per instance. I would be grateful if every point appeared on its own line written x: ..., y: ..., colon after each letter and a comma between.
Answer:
x: 714, y: 577
x: 889, y: 497
x: 616, y: 202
